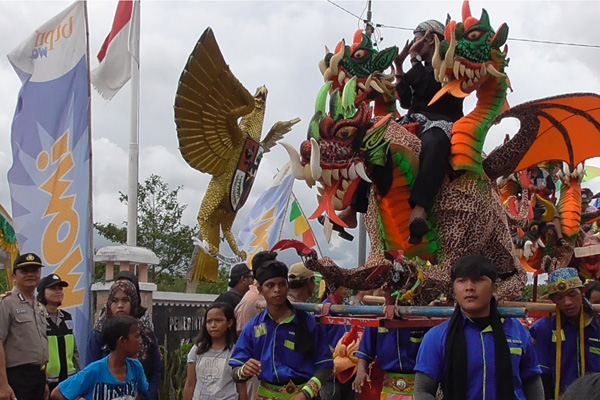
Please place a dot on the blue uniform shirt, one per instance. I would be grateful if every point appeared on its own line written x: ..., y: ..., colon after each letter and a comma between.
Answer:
x: 396, y: 349
x: 544, y: 333
x: 272, y: 344
x: 333, y: 333
x: 481, y: 353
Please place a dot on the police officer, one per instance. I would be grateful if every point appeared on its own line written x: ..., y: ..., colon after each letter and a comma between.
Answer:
x: 64, y: 358
x: 23, y: 341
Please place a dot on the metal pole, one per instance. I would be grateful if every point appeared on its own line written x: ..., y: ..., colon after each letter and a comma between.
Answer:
x: 132, y: 195
x: 362, y: 240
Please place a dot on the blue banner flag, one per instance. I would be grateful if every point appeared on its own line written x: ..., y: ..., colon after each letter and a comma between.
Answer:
x: 260, y: 231
x: 50, y: 179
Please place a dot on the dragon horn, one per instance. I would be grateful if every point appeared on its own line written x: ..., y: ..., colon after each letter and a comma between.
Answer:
x: 336, y: 110
x: 322, y: 98
x: 466, y: 10
x: 320, y: 112
x: 348, y: 99
x: 550, y: 212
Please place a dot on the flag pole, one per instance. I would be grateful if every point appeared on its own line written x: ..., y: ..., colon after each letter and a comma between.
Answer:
x: 132, y: 195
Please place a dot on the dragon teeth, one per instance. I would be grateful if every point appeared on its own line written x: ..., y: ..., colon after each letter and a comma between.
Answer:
x: 352, y: 175
x: 344, y: 173
x: 345, y: 184
x: 340, y: 194
x: 456, y: 70
x: 341, y: 77
x: 337, y: 203
x: 335, y: 174
x: 469, y: 73
x: 326, y: 176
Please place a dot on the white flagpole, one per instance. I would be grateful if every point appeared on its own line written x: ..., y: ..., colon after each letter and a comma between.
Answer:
x: 132, y: 195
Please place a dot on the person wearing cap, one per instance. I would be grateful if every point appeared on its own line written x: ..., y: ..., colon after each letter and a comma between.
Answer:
x: 474, y: 354
x: 240, y: 279
x: 282, y: 346
x: 302, y: 283
x: 23, y: 341
x: 63, y: 354
x: 578, y: 351
x: 415, y: 89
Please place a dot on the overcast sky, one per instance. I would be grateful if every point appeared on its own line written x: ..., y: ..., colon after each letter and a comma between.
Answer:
x: 278, y: 44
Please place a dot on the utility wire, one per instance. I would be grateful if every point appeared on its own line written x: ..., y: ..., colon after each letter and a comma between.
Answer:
x: 592, y: 46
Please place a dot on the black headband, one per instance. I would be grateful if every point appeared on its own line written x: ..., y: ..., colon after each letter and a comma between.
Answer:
x: 270, y: 269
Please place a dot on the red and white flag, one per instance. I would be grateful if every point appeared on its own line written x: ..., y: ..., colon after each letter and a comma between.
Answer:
x: 119, y: 51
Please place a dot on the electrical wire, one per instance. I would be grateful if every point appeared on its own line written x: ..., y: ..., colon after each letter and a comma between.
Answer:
x: 592, y: 46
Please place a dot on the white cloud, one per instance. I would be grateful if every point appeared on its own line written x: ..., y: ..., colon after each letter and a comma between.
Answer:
x: 278, y: 44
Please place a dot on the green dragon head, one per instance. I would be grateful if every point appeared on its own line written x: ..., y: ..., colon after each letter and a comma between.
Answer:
x: 363, y: 62
x: 470, y: 54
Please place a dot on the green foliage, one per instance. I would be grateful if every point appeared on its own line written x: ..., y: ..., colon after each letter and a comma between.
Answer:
x: 174, y: 372
x: 542, y: 289
x: 159, y: 229
x: 3, y: 281
x: 215, y: 287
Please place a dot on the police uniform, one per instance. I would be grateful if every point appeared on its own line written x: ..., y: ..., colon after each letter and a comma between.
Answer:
x: 23, y: 328
x: 63, y: 356
x: 398, y: 365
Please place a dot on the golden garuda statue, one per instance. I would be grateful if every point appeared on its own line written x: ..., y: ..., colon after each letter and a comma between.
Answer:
x: 209, y: 103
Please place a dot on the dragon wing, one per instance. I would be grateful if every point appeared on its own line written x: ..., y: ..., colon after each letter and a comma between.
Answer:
x: 208, y: 104
x: 563, y: 128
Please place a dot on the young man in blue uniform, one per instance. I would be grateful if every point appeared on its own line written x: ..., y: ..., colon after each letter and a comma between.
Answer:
x: 497, y: 348
x: 578, y: 353
x: 396, y: 351
x: 282, y: 346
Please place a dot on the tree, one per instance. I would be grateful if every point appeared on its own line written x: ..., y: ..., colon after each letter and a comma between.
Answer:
x: 159, y: 229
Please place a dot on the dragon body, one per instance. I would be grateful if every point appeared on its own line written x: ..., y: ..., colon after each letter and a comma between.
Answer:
x: 468, y: 216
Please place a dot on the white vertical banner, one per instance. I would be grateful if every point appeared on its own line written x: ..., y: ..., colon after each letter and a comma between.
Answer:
x: 50, y: 179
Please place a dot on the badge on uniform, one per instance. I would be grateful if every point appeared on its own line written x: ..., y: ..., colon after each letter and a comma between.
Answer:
x: 21, y: 310
x: 260, y: 330
x: 69, y: 324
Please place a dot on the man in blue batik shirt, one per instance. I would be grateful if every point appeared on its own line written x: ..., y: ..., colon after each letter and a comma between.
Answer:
x: 281, y: 345
x: 575, y: 313
x: 497, y: 348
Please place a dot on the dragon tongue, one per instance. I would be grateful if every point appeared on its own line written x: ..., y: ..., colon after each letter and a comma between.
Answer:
x: 326, y: 206
x: 453, y: 88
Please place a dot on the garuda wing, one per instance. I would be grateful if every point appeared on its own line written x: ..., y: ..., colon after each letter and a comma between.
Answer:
x: 563, y: 128
x: 208, y: 104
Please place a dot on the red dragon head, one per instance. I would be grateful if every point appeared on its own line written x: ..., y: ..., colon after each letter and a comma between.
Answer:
x: 342, y: 150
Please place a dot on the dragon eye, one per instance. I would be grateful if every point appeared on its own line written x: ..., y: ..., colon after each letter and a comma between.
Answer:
x: 474, y: 36
x: 346, y: 132
x: 359, y: 54
x: 534, y: 228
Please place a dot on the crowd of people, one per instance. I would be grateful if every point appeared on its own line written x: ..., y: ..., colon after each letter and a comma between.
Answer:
x: 39, y: 358
x: 282, y: 352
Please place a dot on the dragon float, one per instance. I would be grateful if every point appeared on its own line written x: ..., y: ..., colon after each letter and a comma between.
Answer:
x: 352, y: 153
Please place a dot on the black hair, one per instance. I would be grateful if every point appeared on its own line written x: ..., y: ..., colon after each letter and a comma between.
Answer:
x: 116, y: 327
x: 474, y: 266
x: 591, y: 287
x: 586, y: 387
x: 204, y: 341
x: 298, y: 283
x: 41, y: 296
